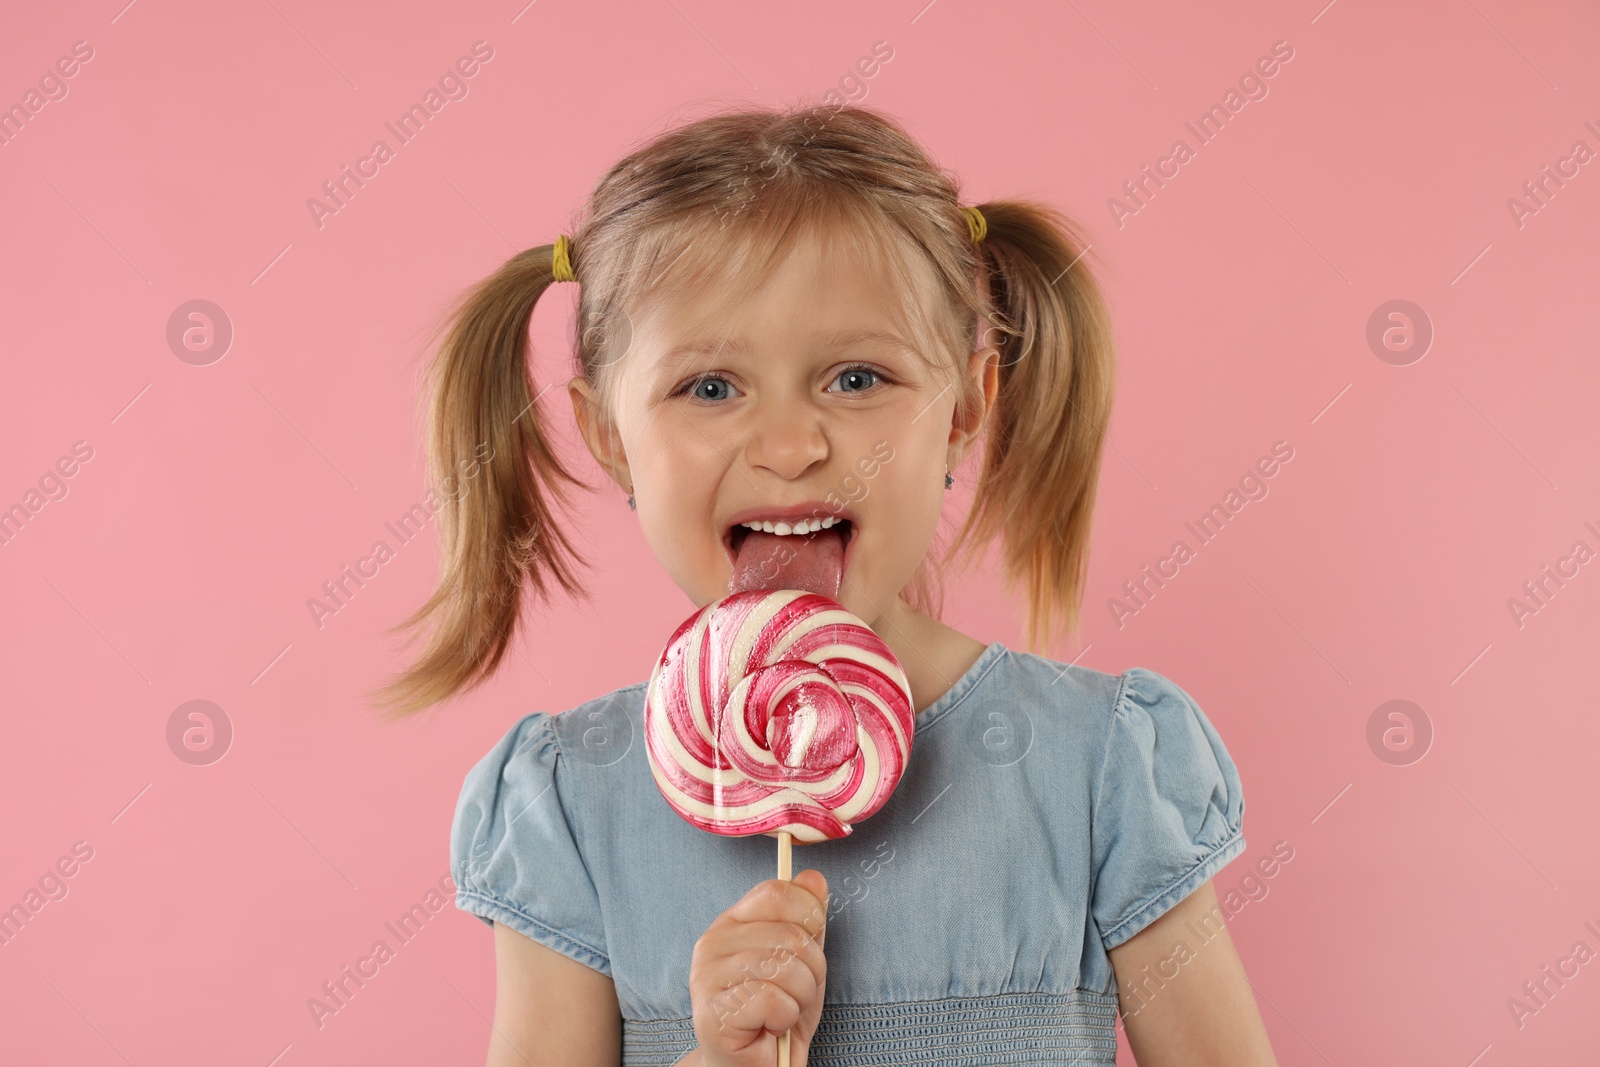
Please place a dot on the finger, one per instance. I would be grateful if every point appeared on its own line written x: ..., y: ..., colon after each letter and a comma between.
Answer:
x: 746, y: 979
x: 794, y: 976
x: 750, y: 1007
x: 729, y: 963
x: 777, y: 899
x: 782, y: 940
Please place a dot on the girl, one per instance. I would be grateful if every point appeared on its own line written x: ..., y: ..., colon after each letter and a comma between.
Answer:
x: 788, y: 318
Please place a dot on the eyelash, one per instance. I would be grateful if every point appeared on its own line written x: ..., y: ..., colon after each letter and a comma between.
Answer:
x: 694, y: 383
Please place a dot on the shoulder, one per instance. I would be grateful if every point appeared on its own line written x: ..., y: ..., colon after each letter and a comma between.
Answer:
x: 1102, y: 696
x: 1069, y: 683
x: 1047, y: 718
x: 1163, y: 754
x: 517, y: 843
x: 1068, y: 699
x: 1151, y: 705
x: 540, y: 753
x: 601, y: 730
x: 551, y: 735
x: 1167, y: 806
x: 1085, y: 685
x: 1113, y: 721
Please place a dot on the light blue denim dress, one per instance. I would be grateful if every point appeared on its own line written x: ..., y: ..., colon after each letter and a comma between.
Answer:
x: 1046, y: 815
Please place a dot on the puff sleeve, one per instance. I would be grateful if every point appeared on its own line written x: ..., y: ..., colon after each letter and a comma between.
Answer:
x: 1168, y: 811
x: 512, y: 851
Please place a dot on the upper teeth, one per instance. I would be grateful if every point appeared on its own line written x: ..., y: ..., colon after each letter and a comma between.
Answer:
x: 783, y: 529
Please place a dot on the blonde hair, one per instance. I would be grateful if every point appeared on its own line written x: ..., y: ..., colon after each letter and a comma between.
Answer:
x: 712, y: 207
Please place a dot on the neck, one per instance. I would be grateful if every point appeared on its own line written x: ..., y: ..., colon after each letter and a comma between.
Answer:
x: 932, y: 654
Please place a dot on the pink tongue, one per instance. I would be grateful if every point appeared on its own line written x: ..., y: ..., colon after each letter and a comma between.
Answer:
x: 813, y: 562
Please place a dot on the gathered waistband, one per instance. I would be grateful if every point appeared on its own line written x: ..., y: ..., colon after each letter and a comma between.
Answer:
x: 1078, y: 1027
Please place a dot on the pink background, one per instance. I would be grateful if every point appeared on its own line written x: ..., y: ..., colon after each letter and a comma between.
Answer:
x: 220, y: 497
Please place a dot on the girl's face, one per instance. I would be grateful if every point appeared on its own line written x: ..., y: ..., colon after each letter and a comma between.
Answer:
x: 787, y: 407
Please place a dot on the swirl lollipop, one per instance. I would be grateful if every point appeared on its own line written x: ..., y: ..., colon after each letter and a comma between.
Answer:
x: 777, y: 712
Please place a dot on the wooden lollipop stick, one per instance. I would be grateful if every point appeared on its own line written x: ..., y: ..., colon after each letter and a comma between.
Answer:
x: 785, y: 872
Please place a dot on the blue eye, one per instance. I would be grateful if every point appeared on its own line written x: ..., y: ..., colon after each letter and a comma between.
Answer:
x: 858, y: 373
x: 713, y: 388
x: 700, y: 386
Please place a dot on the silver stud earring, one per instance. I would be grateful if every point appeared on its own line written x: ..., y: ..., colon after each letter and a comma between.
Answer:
x: 631, y: 505
x: 948, y: 481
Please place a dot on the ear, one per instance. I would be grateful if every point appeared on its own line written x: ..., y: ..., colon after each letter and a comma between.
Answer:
x: 605, y: 444
x: 967, y: 422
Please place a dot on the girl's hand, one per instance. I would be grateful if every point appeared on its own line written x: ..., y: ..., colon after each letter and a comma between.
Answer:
x: 759, y: 971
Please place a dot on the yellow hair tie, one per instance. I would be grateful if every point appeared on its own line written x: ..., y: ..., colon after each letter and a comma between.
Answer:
x: 562, y: 260
x: 976, y: 224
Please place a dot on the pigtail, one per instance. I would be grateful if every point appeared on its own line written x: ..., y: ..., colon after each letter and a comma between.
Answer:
x: 493, y: 469
x: 1041, y: 461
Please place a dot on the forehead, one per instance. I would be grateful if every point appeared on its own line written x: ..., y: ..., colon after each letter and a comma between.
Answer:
x: 819, y: 293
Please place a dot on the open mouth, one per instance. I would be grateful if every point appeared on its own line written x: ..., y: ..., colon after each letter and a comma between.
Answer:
x: 736, y: 534
x: 815, y: 560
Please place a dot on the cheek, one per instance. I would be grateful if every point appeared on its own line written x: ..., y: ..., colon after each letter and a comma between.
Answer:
x: 677, y: 494
x: 692, y: 559
x: 906, y: 494
x: 678, y: 522
x: 678, y: 473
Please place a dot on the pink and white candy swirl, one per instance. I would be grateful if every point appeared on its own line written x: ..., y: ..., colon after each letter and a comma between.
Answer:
x: 777, y: 710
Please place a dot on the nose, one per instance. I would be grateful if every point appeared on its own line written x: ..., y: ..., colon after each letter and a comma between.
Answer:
x: 786, y: 438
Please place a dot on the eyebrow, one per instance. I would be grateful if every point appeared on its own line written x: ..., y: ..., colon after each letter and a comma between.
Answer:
x: 838, y: 339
